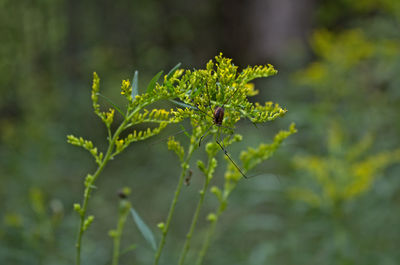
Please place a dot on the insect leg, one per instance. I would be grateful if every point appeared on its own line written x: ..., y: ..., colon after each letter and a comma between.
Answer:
x: 205, y: 133
x: 226, y: 153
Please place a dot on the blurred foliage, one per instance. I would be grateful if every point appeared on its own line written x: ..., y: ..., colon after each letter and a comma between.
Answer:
x: 351, y: 65
x: 344, y: 174
x: 348, y: 78
x: 345, y: 195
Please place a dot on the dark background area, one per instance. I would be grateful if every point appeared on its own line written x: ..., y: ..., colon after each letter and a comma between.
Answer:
x: 330, y: 195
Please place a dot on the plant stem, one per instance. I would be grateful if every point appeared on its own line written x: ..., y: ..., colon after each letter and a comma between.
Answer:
x: 123, y: 214
x: 210, y: 233
x: 89, y: 187
x: 186, y: 246
x: 185, y: 167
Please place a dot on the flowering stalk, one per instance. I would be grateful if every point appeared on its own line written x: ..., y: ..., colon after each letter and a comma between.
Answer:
x: 220, y: 86
x: 250, y: 158
x: 89, y: 185
x: 124, y: 207
x: 165, y: 227
x: 211, y: 149
x: 135, y: 114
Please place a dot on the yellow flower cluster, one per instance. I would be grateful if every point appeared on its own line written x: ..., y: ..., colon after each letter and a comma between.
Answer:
x: 176, y: 147
x: 86, y: 144
x: 126, y: 88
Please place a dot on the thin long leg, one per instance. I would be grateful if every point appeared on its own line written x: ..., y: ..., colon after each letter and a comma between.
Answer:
x: 226, y: 127
x: 234, y: 92
x: 209, y: 99
x: 205, y: 113
x: 227, y: 155
x: 193, y: 107
x: 165, y: 138
x: 233, y: 162
x: 204, y: 134
x: 221, y: 138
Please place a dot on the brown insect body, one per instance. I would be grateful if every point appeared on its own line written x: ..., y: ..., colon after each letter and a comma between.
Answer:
x: 218, y: 115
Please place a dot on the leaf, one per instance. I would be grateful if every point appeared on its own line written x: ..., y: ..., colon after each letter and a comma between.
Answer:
x: 177, y: 133
x: 135, y: 85
x: 128, y: 249
x: 184, y: 131
x: 144, y: 229
x: 184, y: 105
x: 196, y: 93
x: 113, y: 104
x: 152, y: 83
x: 172, y: 71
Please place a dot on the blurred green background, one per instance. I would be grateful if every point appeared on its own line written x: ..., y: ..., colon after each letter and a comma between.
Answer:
x: 331, y: 194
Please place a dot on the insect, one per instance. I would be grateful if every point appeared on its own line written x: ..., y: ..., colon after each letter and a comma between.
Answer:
x: 188, y: 177
x: 218, y: 118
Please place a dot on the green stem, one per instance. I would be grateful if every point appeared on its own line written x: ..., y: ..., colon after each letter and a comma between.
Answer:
x: 90, y: 186
x: 88, y: 190
x: 185, y: 167
x: 123, y: 214
x: 186, y: 246
x: 210, y: 233
x: 109, y: 134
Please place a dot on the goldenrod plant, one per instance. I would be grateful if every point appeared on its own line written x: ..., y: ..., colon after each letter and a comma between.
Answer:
x: 250, y: 158
x: 116, y: 234
x: 136, y: 113
x: 214, y: 99
x: 354, y: 70
x: 334, y: 186
x: 348, y: 171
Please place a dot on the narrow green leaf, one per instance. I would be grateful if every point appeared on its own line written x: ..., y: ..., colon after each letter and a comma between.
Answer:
x: 165, y: 138
x: 128, y: 249
x: 172, y: 71
x: 144, y: 229
x: 197, y: 92
x: 184, y: 131
x: 153, y: 81
x: 135, y: 85
x: 113, y: 104
x: 184, y: 105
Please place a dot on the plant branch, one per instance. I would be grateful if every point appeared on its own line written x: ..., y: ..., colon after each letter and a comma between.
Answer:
x: 89, y: 185
x: 165, y: 229
x: 123, y: 214
x: 195, y: 218
x: 88, y: 189
x: 210, y: 233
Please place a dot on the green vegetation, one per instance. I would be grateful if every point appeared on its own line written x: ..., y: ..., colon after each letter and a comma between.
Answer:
x: 201, y: 91
x: 152, y: 192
